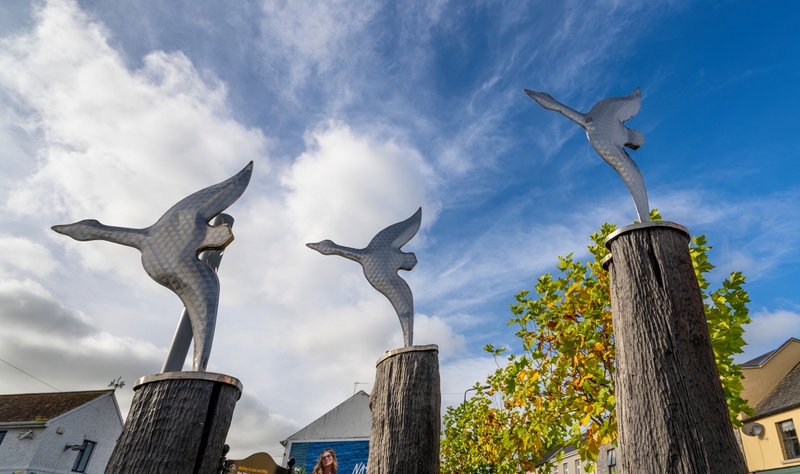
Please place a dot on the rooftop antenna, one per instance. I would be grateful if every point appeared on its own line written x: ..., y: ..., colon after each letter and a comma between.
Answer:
x: 119, y: 383
x: 355, y: 386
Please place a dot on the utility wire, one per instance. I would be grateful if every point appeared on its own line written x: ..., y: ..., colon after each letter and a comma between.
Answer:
x: 29, y: 375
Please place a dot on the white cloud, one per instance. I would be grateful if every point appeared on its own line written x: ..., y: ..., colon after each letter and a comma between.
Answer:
x: 319, y: 312
x: 754, y: 236
x: 435, y: 330
x: 302, y: 38
x: 768, y: 331
x: 63, y: 348
x: 121, y: 146
x: 343, y: 180
x: 254, y: 428
x: 459, y: 375
x: 296, y: 327
x: 113, y: 136
x: 25, y: 256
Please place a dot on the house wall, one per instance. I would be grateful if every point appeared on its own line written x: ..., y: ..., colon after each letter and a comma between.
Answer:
x: 569, y: 460
x: 15, y: 454
x: 765, y: 451
x: 98, y: 421
x: 352, y: 455
x: 759, y: 381
x: 349, y: 421
x: 600, y: 467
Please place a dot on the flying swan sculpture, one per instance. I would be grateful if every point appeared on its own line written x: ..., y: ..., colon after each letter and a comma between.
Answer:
x: 170, y: 249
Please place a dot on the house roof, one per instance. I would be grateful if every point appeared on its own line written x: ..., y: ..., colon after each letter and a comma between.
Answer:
x: 785, y: 396
x: 351, y: 419
x: 43, y: 406
x: 760, y: 359
x: 763, y: 358
x: 566, y: 450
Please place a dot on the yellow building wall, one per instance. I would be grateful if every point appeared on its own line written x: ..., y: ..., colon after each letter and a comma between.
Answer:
x: 569, y: 460
x: 765, y: 451
x: 759, y: 381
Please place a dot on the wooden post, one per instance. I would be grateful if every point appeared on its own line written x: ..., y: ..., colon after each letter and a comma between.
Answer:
x: 671, y: 408
x: 406, y: 412
x: 177, y: 424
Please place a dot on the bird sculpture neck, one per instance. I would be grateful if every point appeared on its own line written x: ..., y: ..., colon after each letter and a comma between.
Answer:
x: 123, y: 236
x: 93, y: 230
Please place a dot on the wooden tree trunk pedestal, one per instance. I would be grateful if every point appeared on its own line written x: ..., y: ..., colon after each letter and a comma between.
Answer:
x: 177, y: 424
x: 671, y: 409
x: 406, y: 412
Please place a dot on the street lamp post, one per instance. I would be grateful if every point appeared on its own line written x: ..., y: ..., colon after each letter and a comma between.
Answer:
x: 485, y: 387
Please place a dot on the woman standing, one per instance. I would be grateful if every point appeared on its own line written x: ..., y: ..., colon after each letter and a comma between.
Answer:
x: 326, y: 464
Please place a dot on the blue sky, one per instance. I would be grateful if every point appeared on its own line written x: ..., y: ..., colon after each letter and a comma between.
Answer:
x: 356, y: 113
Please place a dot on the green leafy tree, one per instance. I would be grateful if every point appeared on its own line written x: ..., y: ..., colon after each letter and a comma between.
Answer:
x: 560, y: 390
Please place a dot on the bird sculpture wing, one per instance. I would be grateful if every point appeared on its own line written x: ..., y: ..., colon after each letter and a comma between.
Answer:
x: 384, y: 259
x: 548, y: 102
x: 609, y: 137
x: 622, y: 108
x: 207, y: 203
x: 397, y: 291
x: 397, y: 235
x: 198, y: 288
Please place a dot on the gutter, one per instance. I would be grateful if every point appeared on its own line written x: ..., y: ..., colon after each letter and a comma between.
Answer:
x: 23, y: 424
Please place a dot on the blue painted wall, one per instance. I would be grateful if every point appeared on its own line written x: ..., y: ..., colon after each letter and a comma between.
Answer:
x: 351, y: 455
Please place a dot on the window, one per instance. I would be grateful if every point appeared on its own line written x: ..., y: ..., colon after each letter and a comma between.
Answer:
x: 612, y: 461
x: 577, y: 466
x: 566, y: 468
x: 555, y: 469
x: 2, y: 435
x: 791, y: 448
x: 83, y: 456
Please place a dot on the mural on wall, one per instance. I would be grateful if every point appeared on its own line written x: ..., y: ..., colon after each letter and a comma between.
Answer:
x: 351, y: 456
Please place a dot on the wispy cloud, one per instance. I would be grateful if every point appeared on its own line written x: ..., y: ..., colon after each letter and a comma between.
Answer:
x: 121, y: 145
x: 305, y: 42
x: 62, y: 347
x: 767, y: 332
x: 386, y: 107
x: 116, y: 145
x: 754, y: 235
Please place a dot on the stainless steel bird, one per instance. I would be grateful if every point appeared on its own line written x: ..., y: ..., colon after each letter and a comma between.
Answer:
x: 170, y: 249
x: 607, y: 134
x: 381, y: 260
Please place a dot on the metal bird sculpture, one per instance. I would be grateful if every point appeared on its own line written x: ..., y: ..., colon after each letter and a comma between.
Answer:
x: 381, y: 260
x: 170, y: 248
x: 182, y: 339
x: 607, y: 134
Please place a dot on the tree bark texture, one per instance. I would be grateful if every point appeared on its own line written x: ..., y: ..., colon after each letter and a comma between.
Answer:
x: 671, y: 409
x: 177, y: 424
x: 406, y: 419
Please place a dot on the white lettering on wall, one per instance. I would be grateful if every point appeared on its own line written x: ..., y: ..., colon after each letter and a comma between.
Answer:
x: 361, y: 468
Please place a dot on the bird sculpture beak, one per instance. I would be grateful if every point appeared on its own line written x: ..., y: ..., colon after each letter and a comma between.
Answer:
x: 537, y: 96
x: 319, y: 247
x: 66, y: 229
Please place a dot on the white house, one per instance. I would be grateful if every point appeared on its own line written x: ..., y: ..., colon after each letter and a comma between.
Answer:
x: 345, y: 430
x: 58, y: 433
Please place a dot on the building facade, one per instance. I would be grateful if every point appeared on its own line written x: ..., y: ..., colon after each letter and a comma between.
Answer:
x: 772, y: 387
x: 58, y: 433
x: 345, y: 429
x: 571, y: 462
